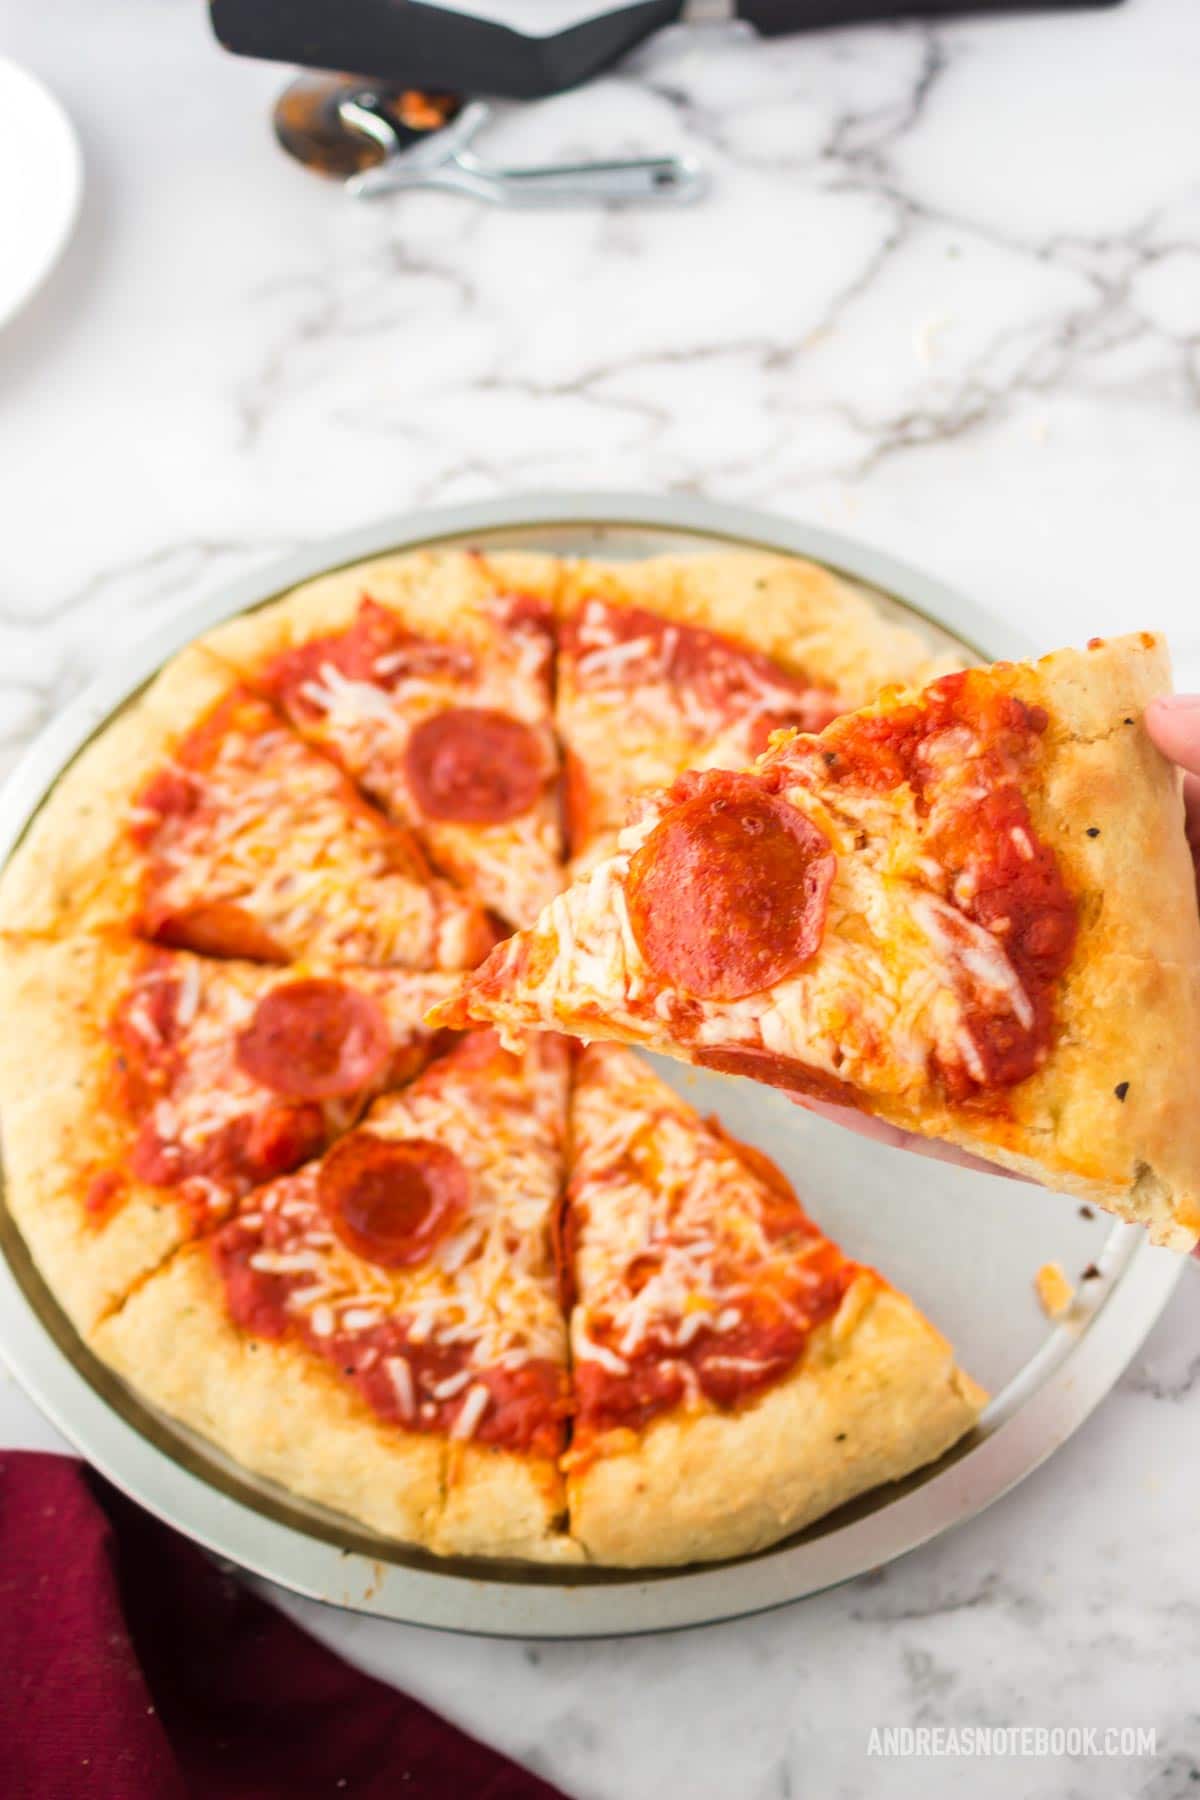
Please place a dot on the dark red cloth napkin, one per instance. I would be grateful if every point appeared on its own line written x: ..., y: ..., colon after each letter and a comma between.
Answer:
x: 131, y: 1668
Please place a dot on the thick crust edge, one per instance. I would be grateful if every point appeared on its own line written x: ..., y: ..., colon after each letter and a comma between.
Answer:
x: 877, y: 1395
x: 59, y: 1127
x: 803, y: 615
x: 441, y: 592
x: 273, y: 1407
x: 74, y: 868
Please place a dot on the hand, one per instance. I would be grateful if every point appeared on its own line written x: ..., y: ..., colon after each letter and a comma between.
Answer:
x: 1174, y: 725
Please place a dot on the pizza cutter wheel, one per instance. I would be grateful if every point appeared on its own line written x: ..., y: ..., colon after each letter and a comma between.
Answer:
x: 383, y: 139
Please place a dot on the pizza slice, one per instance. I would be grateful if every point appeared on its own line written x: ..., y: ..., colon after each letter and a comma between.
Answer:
x: 428, y: 678
x: 143, y: 1090
x: 693, y: 661
x: 200, y: 819
x: 736, y: 1376
x: 969, y: 910
x: 381, y: 1330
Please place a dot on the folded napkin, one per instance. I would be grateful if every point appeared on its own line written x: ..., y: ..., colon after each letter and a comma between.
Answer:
x: 133, y: 1669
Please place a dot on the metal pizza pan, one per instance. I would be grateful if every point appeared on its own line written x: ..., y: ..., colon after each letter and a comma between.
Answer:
x: 966, y: 1246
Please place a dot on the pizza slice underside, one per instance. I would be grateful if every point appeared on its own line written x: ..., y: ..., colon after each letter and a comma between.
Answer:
x: 381, y: 1330
x: 199, y: 818
x: 429, y: 679
x: 147, y: 1089
x: 692, y: 662
x: 736, y: 1376
x: 937, y: 910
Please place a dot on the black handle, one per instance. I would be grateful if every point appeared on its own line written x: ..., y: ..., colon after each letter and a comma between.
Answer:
x: 775, y: 17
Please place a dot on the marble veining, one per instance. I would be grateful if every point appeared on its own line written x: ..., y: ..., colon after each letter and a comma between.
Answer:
x: 945, y: 294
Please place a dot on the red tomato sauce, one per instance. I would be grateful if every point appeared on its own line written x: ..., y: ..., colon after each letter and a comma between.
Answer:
x: 242, y: 1152
x: 962, y: 736
x: 527, y: 1405
x: 729, y: 678
x: 776, y: 1326
x: 377, y: 648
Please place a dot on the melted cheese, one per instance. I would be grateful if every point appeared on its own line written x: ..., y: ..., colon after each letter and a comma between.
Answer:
x: 672, y: 1239
x: 633, y: 725
x: 279, y: 837
x: 513, y: 866
x: 490, y: 1287
x: 890, y: 990
x: 209, y: 1090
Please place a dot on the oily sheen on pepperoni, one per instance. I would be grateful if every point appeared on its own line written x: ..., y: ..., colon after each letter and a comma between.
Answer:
x: 729, y: 893
x: 389, y: 1201
x: 314, y: 1040
x: 471, y: 765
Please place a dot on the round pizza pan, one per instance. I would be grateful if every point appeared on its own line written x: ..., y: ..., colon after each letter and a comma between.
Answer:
x: 965, y: 1246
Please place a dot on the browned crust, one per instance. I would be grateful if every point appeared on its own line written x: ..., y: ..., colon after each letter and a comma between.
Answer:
x: 76, y: 866
x: 877, y: 1395
x: 60, y: 1126
x: 442, y: 593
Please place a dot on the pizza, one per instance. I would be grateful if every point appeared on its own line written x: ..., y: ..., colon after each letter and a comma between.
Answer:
x: 936, y: 910
x: 381, y: 1329
x: 202, y: 821
x: 429, y: 680
x: 147, y: 1089
x: 478, y: 1290
x: 692, y: 662
x: 417, y: 1329
x: 735, y: 1374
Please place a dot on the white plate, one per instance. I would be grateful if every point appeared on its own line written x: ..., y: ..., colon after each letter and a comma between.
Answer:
x: 966, y: 1246
x: 41, y: 180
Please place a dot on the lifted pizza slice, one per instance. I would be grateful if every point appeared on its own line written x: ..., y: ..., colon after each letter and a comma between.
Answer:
x: 968, y: 909
x: 391, y: 1314
x: 736, y: 1376
x: 199, y: 818
x: 693, y: 661
x: 143, y: 1090
x: 429, y: 678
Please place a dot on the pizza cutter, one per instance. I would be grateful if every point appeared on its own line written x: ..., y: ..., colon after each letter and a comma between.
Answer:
x: 382, y: 139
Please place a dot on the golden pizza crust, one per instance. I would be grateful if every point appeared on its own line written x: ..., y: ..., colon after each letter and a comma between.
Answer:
x: 877, y: 1395
x: 1129, y: 1006
x: 500, y: 1504
x: 809, y: 620
x: 280, y: 1410
x: 440, y: 593
x: 75, y: 866
x: 60, y: 1128
x: 273, y: 1406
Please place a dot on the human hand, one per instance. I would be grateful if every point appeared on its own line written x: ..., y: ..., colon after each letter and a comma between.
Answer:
x: 1173, y: 723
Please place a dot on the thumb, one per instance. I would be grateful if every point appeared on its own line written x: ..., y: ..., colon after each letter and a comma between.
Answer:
x: 1173, y: 722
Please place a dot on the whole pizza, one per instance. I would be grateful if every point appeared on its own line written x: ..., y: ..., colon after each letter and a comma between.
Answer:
x: 304, y: 1138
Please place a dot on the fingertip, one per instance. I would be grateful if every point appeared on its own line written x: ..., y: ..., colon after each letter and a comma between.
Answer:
x: 1173, y: 722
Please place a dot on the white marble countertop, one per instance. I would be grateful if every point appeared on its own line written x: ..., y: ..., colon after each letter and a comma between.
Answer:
x: 945, y: 295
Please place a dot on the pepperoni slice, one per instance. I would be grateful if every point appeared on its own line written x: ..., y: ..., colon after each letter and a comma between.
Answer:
x: 729, y: 893
x: 472, y: 766
x: 389, y: 1201
x: 781, y: 1072
x: 314, y: 1040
